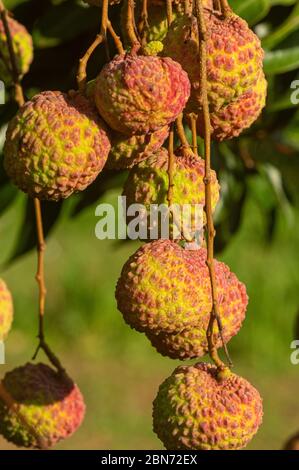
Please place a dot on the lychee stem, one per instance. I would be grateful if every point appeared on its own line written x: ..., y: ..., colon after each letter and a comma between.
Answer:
x: 101, y: 37
x: 143, y: 23
x: 170, y: 170
x: 19, y: 96
x: 169, y: 12
x: 181, y: 133
x: 214, y: 316
x: 130, y: 24
x: 193, y: 118
x: 225, y: 8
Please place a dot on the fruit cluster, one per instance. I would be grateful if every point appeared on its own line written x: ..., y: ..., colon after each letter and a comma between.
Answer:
x: 58, y: 143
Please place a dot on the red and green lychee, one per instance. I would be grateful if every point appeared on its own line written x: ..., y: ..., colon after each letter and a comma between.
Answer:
x: 194, y: 410
x: 56, y: 145
x: 39, y: 406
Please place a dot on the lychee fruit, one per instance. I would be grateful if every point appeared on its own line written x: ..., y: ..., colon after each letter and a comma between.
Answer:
x: 164, y: 288
x: 39, y: 406
x: 6, y: 310
x: 127, y: 151
x: 55, y: 145
x: 194, y: 410
x: 23, y: 50
x: 231, y: 120
x: 234, y: 57
x: 141, y: 94
x: 148, y: 184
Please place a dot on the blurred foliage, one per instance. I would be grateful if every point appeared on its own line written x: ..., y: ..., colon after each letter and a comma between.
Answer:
x: 267, y: 153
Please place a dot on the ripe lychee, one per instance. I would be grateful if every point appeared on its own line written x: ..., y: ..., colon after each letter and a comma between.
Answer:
x: 234, y: 60
x: 39, y: 406
x: 6, y: 310
x: 128, y: 151
x: 23, y: 49
x: 148, y: 183
x: 164, y: 288
x: 141, y: 94
x: 229, y: 121
x: 195, y: 411
x: 55, y: 145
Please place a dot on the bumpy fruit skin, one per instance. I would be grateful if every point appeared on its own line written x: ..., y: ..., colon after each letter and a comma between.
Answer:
x: 128, y: 151
x: 195, y: 411
x: 164, y: 288
x: 23, y: 49
x: 148, y: 183
x: 234, y: 58
x: 231, y: 120
x: 51, y: 405
x: 141, y: 94
x: 6, y: 310
x: 55, y: 145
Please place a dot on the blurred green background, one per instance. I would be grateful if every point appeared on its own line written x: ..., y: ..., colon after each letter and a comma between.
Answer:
x: 258, y: 236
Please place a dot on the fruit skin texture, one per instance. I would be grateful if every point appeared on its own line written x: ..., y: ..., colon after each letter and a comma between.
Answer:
x: 164, y: 288
x: 55, y: 145
x: 141, y: 94
x: 147, y: 184
x: 128, y: 151
x: 6, y: 310
x: 51, y: 404
x: 23, y: 48
x: 234, y: 59
x: 231, y: 120
x: 194, y: 411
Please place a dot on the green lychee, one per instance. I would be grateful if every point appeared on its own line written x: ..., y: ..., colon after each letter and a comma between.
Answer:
x: 229, y: 121
x: 234, y: 57
x: 195, y: 411
x: 164, y: 288
x: 128, y: 151
x: 55, y: 145
x: 23, y: 49
x: 141, y: 94
x: 47, y: 406
x: 6, y: 310
x: 148, y: 183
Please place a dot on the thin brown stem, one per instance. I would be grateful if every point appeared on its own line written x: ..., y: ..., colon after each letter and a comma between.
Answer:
x: 214, y: 315
x: 169, y: 12
x: 130, y: 24
x: 81, y: 74
x: 143, y: 23
x: 116, y: 38
x: 171, y: 164
x: 181, y: 133
x: 19, y: 96
x: 193, y: 119
x: 225, y: 8
x: 187, y: 6
x: 40, y: 276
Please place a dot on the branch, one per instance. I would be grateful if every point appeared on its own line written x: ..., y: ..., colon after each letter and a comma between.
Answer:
x: 81, y: 74
x: 193, y: 118
x: 225, y: 8
x: 214, y: 315
x: 116, y: 39
x: 169, y: 12
x: 182, y: 135
x: 130, y: 24
x: 170, y: 170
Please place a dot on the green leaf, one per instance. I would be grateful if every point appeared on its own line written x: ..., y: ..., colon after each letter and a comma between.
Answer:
x: 289, y: 26
x: 281, y: 61
x: 251, y: 10
x: 8, y: 194
x: 62, y: 23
